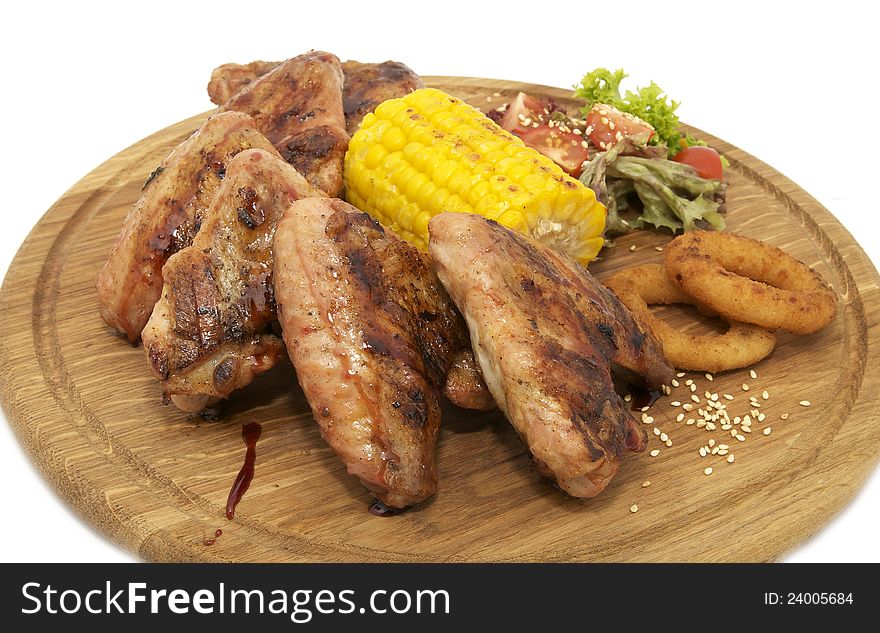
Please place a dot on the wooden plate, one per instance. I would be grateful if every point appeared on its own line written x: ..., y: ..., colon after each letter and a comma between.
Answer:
x: 155, y: 480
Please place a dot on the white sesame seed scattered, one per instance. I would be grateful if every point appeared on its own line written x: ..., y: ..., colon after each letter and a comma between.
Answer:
x: 746, y: 429
x: 737, y: 420
x: 693, y: 388
x: 695, y: 398
x: 714, y: 397
x: 734, y: 433
x: 767, y: 431
x: 646, y: 483
x: 701, y: 424
x: 668, y: 443
x: 679, y: 417
x: 680, y: 374
x: 753, y: 374
x: 784, y: 416
x: 634, y: 508
x: 722, y: 452
x: 765, y: 394
x: 711, y: 443
x: 730, y: 458
x: 725, y: 427
x: 657, y: 431
x: 710, y: 426
x: 761, y: 417
x: 632, y: 248
x: 647, y: 420
x: 710, y: 377
x: 715, y: 450
x: 665, y: 389
x: 690, y: 422
x: 655, y: 452
x: 745, y: 387
x: 804, y: 403
x: 741, y: 438
x: 675, y: 403
x: 727, y: 396
x: 675, y: 383
x: 643, y: 409
x: 707, y: 471
x: 659, y: 249
x: 687, y: 406
x: 663, y: 437
x: 627, y: 398
x: 688, y: 382
x: 703, y: 451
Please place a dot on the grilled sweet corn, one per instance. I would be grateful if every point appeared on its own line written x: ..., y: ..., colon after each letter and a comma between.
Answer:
x: 429, y: 153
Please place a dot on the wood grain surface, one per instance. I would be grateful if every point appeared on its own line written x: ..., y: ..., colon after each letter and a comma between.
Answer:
x: 155, y: 480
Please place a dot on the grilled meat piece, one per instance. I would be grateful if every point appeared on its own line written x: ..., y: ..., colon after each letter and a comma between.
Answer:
x: 366, y: 85
x: 298, y: 106
x: 166, y: 217
x: 545, y: 334
x: 209, y: 333
x: 229, y: 79
x: 371, y: 333
x: 465, y: 386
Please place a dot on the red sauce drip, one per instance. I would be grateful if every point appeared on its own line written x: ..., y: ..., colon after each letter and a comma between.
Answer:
x: 250, y: 433
x: 218, y: 533
x: 210, y: 541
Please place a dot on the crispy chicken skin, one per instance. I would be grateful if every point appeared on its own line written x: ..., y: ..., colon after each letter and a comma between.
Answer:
x: 366, y: 85
x: 166, y: 216
x: 371, y: 333
x: 209, y: 332
x: 298, y: 106
x: 465, y: 386
x: 545, y: 334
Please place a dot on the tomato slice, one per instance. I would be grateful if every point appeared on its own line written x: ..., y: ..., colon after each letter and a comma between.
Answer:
x: 705, y: 160
x: 566, y: 149
x: 607, y: 125
x: 522, y: 112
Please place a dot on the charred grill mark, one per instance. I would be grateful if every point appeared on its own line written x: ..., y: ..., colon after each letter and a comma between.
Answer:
x: 250, y: 211
x: 224, y: 374
x: 152, y: 176
x: 608, y: 331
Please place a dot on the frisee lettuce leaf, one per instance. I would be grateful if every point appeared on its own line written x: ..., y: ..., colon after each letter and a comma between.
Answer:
x: 649, y: 103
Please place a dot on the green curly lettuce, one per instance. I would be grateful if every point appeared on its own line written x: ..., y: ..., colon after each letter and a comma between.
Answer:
x: 649, y: 103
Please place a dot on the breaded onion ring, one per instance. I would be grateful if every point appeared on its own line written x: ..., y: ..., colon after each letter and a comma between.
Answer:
x: 750, y: 281
x: 742, y: 345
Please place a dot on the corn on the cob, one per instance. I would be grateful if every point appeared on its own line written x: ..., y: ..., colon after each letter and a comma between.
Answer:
x: 429, y: 153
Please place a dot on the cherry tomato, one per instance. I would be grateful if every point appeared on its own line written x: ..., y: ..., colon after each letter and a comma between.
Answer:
x: 607, y: 125
x: 522, y: 108
x: 566, y: 149
x: 705, y: 160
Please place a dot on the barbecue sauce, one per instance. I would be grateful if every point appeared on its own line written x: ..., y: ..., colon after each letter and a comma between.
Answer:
x: 211, y: 541
x: 250, y: 433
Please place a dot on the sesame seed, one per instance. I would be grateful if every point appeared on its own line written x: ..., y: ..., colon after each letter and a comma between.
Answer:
x: 646, y: 483
x: 714, y: 397
x: 765, y: 395
x: 675, y: 403
x: 733, y: 433
x: 784, y: 416
x: 703, y: 451
x: 679, y: 417
x: 675, y: 383
x: 709, y: 377
x: 701, y: 424
x: 761, y: 417
x: 688, y: 382
x: 632, y: 248
x: 741, y: 438
x: 804, y: 403
x: 655, y: 452
x: 659, y: 249
x: 687, y: 406
x: 730, y: 458
x: 746, y: 429
x: 727, y: 396
x: 644, y: 408
x: 723, y: 447
x: 715, y: 450
x: 627, y: 398
x: 693, y: 388
x: 767, y: 431
x: 725, y: 427
x: 657, y: 431
x: 711, y: 443
x: 695, y: 399
x: 663, y: 437
x: 488, y: 99
x: 745, y: 387
x: 710, y: 426
x: 668, y: 443
x: 634, y: 508
x: 690, y: 422
x: 680, y: 374
x: 707, y: 471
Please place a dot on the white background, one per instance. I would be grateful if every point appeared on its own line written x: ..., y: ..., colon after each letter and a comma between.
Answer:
x: 793, y: 86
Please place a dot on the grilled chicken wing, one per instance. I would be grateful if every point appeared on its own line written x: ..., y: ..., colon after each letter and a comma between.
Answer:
x: 465, y: 386
x: 166, y: 217
x: 545, y: 334
x: 298, y: 106
x: 366, y: 85
x: 209, y: 332
x: 371, y: 333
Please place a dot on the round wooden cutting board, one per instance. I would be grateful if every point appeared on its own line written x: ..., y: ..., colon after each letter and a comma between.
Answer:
x: 155, y: 480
